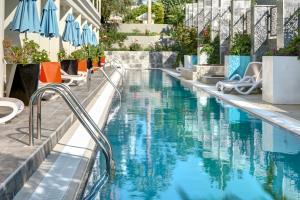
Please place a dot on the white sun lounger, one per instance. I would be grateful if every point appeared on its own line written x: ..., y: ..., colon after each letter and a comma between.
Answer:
x: 16, y: 105
x: 72, y: 79
x: 251, y: 80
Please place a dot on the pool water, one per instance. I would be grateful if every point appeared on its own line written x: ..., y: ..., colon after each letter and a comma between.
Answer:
x: 173, y: 141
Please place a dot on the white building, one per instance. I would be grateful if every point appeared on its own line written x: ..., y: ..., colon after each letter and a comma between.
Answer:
x: 84, y: 11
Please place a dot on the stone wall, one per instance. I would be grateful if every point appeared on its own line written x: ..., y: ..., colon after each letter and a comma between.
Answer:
x: 144, y: 59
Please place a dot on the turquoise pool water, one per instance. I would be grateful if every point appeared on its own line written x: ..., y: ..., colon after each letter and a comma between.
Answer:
x: 172, y: 141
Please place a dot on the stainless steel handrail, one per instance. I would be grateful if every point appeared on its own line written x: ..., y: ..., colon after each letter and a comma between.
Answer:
x: 81, y: 108
x: 73, y: 106
x: 110, y: 81
x: 116, y: 68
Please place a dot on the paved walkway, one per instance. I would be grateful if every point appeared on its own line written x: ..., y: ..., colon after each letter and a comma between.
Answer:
x: 286, y: 116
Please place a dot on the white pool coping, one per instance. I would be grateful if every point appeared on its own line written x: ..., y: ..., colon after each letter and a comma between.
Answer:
x: 59, y: 176
x: 276, y: 118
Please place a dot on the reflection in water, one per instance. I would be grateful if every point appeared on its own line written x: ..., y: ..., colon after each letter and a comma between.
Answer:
x: 175, y: 142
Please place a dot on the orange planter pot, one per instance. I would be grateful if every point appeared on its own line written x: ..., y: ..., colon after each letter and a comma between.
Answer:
x: 102, y: 61
x: 50, y: 72
x: 95, y: 63
x: 82, y: 65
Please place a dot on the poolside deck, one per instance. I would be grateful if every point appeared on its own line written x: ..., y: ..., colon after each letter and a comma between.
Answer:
x: 18, y: 160
x: 286, y: 116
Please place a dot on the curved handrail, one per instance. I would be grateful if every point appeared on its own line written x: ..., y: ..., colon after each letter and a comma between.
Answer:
x: 110, y: 81
x: 108, y: 155
x: 116, y: 68
x: 81, y: 108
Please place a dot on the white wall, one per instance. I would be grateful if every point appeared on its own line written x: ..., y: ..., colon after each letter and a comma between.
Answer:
x: 52, y: 45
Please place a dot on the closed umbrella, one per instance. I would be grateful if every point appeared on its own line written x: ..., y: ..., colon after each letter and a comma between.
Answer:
x: 77, y: 39
x: 69, y: 34
x: 26, y: 18
x: 86, y: 39
x: 90, y: 37
x: 49, y: 25
x: 94, y: 39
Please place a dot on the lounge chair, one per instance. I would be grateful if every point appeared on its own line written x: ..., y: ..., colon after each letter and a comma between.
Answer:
x: 72, y: 79
x: 251, y: 80
x: 16, y: 105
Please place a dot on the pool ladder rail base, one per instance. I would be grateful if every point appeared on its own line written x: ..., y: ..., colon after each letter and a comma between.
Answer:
x: 82, y: 115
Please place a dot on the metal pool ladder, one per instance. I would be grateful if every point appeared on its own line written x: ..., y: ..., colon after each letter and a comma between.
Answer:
x: 85, y: 119
x: 112, y: 83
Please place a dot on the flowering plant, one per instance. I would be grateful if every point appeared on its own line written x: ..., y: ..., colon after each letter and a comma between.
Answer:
x: 29, y: 53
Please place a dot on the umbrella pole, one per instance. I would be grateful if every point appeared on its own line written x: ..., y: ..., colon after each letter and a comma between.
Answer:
x: 49, y: 48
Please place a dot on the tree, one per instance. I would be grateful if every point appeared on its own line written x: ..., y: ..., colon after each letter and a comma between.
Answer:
x: 159, y: 12
x: 116, y: 7
x: 174, y: 11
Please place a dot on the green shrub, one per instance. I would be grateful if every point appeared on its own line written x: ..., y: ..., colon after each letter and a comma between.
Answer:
x: 159, y: 12
x: 293, y: 49
x: 135, y: 47
x: 185, y: 41
x: 109, y: 35
x: 134, y: 13
x: 40, y: 56
x: 213, y: 51
x: 240, y: 45
x: 80, y: 54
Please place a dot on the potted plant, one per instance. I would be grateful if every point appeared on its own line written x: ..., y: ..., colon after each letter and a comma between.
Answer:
x: 92, y: 57
x: 239, y: 55
x: 281, y: 70
x: 80, y: 56
x: 68, y: 63
x: 204, y: 47
x: 102, y: 58
x: 25, y: 70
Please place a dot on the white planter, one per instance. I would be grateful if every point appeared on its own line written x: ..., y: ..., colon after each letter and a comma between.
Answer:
x: 202, y: 57
x: 281, y: 79
x: 190, y: 61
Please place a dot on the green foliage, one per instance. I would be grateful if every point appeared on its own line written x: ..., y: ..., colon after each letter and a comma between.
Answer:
x: 174, y: 11
x: 40, y: 56
x: 92, y: 51
x: 61, y: 55
x: 213, y: 51
x: 147, y: 33
x: 159, y: 12
x: 157, y: 9
x: 185, y: 41
x: 293, y: 49
x: 114, y: 7
x: 80, y: 54
x: 241, y: 45
x: 135, y: 47
x: 159, y: 47
x: 29, y: 53
x: 175, y: 15
x: 134, y: 13
x: 109, y: 35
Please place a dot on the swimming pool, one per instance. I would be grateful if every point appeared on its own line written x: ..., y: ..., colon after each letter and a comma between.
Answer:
x: 172, y: 141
